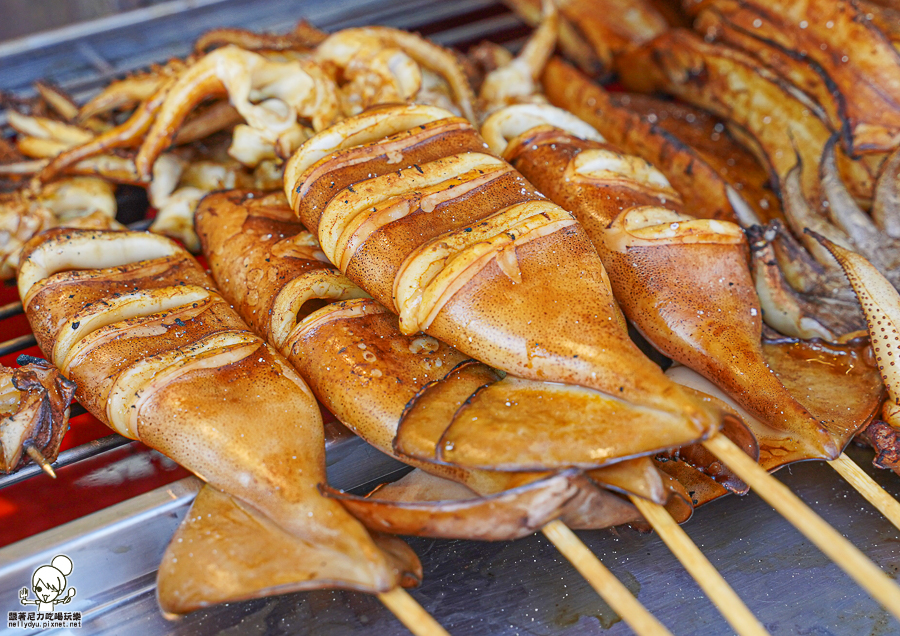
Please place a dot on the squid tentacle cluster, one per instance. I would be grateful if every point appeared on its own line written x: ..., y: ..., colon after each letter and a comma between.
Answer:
x: 34, y: 413
x: 384, y: 65
x: 86, y: 202
x: 269, y: 95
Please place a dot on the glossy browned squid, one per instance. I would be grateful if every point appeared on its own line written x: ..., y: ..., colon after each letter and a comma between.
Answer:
x: 858, y: 88
x: 126, y: 93
x: 384, y: 385
x: 407, y: 202
x: 593, y: 32
x: 159, y: 356
x: 683, y: 282
x: 715, y: 176
x: 381, y: 65
x: 131, y: 132
x: 302, y: 36
x: 34, y: 413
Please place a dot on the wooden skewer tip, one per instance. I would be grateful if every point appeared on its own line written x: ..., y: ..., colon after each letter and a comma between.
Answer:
x: 604, y: 582
x: 698, y: 566
x: 868, y: 488
x: 847, y: 556
x: 40, y: 460
x: 411, y: 614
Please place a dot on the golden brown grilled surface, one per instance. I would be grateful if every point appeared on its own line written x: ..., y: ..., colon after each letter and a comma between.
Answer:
x: 519, y: 287
x: 593, y: 32
x: 159, y: 356
x: 765, y: 113
x: 691, y: 147
x: 683, y: 282
x: 832, y: 50
x: 369, y: 374
x: 686, y: 286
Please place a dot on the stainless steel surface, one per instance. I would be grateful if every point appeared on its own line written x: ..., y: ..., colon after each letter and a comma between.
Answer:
x: 116, y: 551
x: 83, y: 59
x: 510, y: 588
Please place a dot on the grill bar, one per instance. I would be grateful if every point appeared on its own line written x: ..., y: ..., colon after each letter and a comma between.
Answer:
x: 9, y: 310
x: 17, y: 344
x: 83, y: 58
x: 68, y: 457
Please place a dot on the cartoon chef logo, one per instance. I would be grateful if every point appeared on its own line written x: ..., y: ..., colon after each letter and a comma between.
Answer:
x: 49, y: 586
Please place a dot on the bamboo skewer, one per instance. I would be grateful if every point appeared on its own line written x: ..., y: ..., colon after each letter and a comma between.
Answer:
x: 698, y: 566
x: 868, y: 488
x: 847, y: 556
x: 39, y: 459
x: 603, y: 581
x: 411, y: 614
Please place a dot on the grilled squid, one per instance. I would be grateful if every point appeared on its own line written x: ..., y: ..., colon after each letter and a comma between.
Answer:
x: 516, y: 80
x: 126, y: 93
x: 408, y: 203
x: 177, y: 187
x: 86, y: 202
x: 159, y: 356
x: 44, y: 128
x: 383, y: 385
x: 683, y: 282
x: 383, y: 65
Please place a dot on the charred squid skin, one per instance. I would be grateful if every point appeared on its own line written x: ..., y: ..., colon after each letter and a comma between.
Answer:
x: 516, y: 333
x: 682, y: 281
x: 369, y: 374
x: 172, y: 364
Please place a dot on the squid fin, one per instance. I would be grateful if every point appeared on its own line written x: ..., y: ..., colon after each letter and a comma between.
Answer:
x: 227, y: 551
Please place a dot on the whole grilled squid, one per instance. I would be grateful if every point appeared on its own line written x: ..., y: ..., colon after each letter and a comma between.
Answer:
x: 384, y: 385
x: 410, y: 204
x: 159, y: 356
x: 685, y: 284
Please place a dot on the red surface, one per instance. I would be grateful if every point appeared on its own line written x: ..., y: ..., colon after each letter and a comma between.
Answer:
x: 41, y: 503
